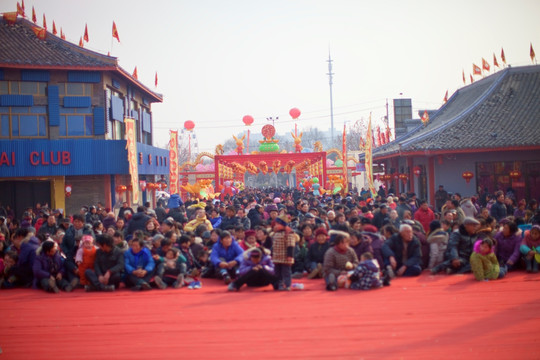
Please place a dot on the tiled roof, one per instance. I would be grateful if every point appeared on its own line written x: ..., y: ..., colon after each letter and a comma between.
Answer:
x: 499, y: 111
x: 21, y: 48
x: 19, y: 45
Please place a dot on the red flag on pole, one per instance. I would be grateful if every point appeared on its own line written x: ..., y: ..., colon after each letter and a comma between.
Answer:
x: 34, y: 17
x: 503, y: 58
x: 472, y: 80
x: 156, y: 79
x: 425, y: 118
x: 85, y: 32
x: 476, y: 70
x: 135, y: 75
x: 446, y: 97
x: 115, y: 32
x: 44, y: 22
x: 464, y: 81
x: 20, y: 10
x: 81, y: 43
x: 533, y: 55
x: 40, y: 32
x: 495, y: 62
x: 54, y: 28
x: 485, y: 65
x: 62, y: 35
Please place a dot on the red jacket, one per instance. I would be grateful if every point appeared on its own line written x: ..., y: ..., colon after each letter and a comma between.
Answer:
x: 424, y: 217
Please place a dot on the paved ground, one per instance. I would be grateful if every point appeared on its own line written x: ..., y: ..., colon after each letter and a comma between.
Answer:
x: 430, y: 317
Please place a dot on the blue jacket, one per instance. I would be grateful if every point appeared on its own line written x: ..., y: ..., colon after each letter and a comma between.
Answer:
x: 246, y: 265
x: 142, y: 259
x: 234, y: 252
x: 44, y: 266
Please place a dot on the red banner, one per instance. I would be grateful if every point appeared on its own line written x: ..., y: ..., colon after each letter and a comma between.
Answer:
x: 173, y: 163
x: 131, y: 147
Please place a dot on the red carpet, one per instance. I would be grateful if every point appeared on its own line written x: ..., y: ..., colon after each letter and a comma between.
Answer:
x: 430, y: 317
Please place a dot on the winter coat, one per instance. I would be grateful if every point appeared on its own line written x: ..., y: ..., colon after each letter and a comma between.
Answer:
x: 468, y: 208
x: 46, y: 266
x: 137, y: 222
x: 255, y: 217
x: 484, y: 267
x: 229, y: 222
x: 460, y: 244
x: 507, y: 248
x: 219, y: 253
x: 438, y: 242
x: 192, y: 225
x: 301, y: 262
x: 112, y: 261
x: 68, y: 245
x: 377, y: 241
x: 247, y: 265
x: 528, y: 244
x: 316, y: 252
x: 394, y: 247
x: 366, y: 276
x: 498, y: 211
x: 424, y: 217
x: 335, y: 262
x: 143, y: 259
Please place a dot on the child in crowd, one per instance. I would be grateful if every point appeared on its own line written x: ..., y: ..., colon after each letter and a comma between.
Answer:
x: 367, y: 274
x: 301, y: 263
x: 484, y: 263
x: 119, y: 241
x: 8, y: 273
x: 316, y: 251
x: 173, y: 270
x: 530, y: 248
x: 203, y: 261
x: 284, y: 240
x: 438, y: 241
x: 85, y: 257
x: 250, y: 240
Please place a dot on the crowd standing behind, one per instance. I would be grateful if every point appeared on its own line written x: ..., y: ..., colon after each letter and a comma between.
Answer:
x: 262, y: 237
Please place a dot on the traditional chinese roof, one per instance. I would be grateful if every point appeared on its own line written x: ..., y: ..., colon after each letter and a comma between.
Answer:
x: 20, y: 48
x: 501, y: 111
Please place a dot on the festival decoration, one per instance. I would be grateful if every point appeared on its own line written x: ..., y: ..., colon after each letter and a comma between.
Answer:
x: 248, y: 120
x: 467, y: 175
x: 403, y: 177
x: 269, y: 144
x: 67, y: 190
x: 173, y: 161
x: 264, y: 167
x: 515, y: 175
x: 276, y: 165
x: 297, y: 142
x: 295, y: 113
x: 417, y: 171
x: 131, y: 147
x: 189, y: 125
x: 239, y: 144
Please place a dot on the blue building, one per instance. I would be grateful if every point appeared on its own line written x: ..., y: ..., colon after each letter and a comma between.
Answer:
x: 62, y: 111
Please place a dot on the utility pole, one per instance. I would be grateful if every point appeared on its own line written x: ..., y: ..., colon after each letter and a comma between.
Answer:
x: 330, y: 74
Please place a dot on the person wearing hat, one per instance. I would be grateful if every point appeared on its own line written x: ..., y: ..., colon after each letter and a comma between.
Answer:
x: 460, y: 248
x: 316, y: 251
x: 256, y: 270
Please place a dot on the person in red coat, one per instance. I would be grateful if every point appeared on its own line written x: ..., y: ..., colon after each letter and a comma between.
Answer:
x: 424, y: 215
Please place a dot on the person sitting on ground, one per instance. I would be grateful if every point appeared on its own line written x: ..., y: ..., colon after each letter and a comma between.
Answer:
x: 138, y: 221
x: 460, y: 247
x: 173, y: 270
x: 9, y: 274
x: 301, y: 263
x: 190, y: 264
x: 508, y: 242
x: 424, y: 215
x: 316, y: 251
x: 530, y: 248
x: 85, y: 257
x: 29, y: 243
x: 48, y: 269
x: 256, y: 270
x: 226, y: 257
x: 108, y: 266
x: 438, y: 242
x: 338, y: 260
x: 484, y: 264
x: 230, y: 220
x: 200, y: 219
x: 139, y: 266
x: 360, y: 243
x: 250, y: 240
x: 401, y: 253
x: 367, y: 274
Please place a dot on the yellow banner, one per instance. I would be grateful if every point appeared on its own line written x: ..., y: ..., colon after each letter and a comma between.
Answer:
x: 131, y: 147
x: 173, y: 162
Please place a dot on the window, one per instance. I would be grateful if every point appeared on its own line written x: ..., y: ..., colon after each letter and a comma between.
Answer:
x: 75, y: 89
x: 23, y: 122
x: 115, y: 113
x: 22, y: 88
x: 77, y: 122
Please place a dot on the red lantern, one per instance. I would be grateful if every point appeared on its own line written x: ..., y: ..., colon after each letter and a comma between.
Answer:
x: 395, y: 176
x: 163, y: 186
x: 248, y: 120
x: 515, y: 174
x: 467, y: 175
x: 67, y: 190
x: 295, y: 113
x: 189, y: 125
x: 417, y: 171
x: 403, y: 177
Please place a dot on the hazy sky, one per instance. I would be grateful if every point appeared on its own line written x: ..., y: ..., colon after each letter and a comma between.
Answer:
x: 220, y: 60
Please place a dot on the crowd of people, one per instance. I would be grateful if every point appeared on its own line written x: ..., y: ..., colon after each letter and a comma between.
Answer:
x: 263, y: 237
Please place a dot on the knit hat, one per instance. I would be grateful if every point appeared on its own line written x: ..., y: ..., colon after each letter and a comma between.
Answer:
x: 282, y: 220
x: 249, y: 233
x: 270, y: 208
x: 320, y: 231
x: 87, y: 238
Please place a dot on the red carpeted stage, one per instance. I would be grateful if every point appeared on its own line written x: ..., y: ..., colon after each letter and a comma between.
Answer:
x: 430, y: 317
